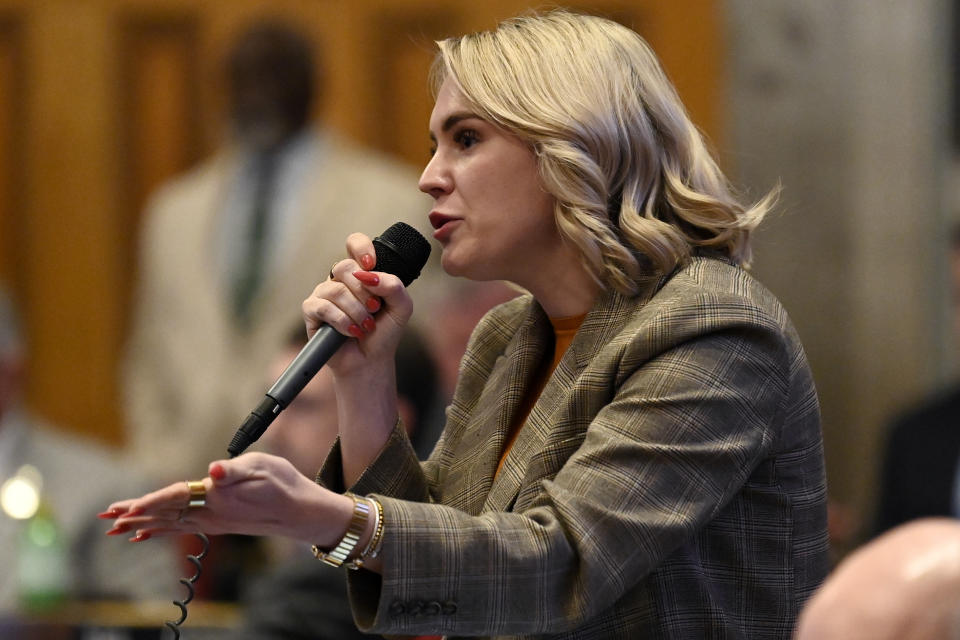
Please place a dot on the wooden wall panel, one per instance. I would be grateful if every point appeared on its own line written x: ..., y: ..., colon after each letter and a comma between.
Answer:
x: 688, y: 40
x: 72, y: 237
x: 12, y: 112
x: 160, y: 112
x: 405, y: 52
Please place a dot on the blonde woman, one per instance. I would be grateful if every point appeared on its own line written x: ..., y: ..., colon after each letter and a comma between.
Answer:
x: 633, y: 449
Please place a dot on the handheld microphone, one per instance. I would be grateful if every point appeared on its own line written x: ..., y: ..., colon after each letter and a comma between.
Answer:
x: 401, y: 251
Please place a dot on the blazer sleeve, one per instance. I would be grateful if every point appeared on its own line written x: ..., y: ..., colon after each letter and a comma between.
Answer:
x: 676, y: 442
x: 396, y: 472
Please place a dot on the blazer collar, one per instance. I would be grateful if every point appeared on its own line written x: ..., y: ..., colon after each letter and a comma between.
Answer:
x: 513, y: 374
x: 606, y: 319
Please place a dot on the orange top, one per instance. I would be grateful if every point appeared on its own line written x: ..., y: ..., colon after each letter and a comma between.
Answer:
x: 563, y: 331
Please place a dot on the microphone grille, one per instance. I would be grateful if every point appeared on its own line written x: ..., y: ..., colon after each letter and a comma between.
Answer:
x: 402, y: 251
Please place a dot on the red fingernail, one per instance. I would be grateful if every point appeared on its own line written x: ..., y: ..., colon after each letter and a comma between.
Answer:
x: 367, y: 261
x: 355, y: 331
x: 140, y: 537
x: 366, y: 277
x: 373, y: 305
x: 117, y: 530
x: 136, y: 511
x: 369, y: 325
x: 107, y: 515
x: 217, y: 471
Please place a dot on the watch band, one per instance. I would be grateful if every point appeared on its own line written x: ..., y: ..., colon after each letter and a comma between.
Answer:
x: 358, y: 522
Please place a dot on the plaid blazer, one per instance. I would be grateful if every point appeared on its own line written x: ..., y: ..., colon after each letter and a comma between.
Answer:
x: 668, y: 483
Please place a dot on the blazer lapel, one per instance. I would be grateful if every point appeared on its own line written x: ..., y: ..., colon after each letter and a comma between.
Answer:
x: 506, y: 387
x: 607, y: 318
x: 539, y: 436
x: 530, y: 442
x: 553, y: 430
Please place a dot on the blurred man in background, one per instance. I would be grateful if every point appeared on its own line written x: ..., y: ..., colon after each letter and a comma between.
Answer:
x: 229, y: 249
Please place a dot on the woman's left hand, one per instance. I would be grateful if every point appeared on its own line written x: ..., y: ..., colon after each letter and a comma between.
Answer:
x: 253, y: 494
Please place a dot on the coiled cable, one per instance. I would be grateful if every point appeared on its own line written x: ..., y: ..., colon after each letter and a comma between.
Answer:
x: 174, y: 625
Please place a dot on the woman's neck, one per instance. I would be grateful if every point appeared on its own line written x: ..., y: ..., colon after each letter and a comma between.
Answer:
x: 564, y: 289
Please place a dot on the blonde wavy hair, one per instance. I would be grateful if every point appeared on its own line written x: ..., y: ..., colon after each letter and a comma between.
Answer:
x: 631, y: 174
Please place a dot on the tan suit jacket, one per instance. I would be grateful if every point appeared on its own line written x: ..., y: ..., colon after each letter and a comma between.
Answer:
x: 668, y: 483
x: 191, y: 374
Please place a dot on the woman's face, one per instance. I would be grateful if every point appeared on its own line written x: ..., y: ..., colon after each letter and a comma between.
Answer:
x: 492, y: 216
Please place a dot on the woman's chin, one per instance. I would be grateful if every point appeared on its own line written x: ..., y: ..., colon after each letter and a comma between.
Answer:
x: 474, y: 269
x: 451, y: 266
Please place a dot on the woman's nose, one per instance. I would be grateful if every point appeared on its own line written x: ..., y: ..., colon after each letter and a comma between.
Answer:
x: 435, y: 180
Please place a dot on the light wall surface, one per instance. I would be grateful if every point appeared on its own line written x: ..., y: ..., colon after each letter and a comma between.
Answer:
x: 845, y: 104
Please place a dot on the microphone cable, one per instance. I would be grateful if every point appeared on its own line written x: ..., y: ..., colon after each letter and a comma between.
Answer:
x: 174, y: 625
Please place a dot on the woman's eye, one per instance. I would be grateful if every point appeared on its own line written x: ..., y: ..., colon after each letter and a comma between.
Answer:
x: 466, y: 138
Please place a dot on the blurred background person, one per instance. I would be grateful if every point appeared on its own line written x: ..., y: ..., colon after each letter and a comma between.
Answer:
x: 461, y: 303
x: 921, y: 469
x: 293, y: 599
x: 238, y: 238
x: 52, y: 548
x: 905, y: 585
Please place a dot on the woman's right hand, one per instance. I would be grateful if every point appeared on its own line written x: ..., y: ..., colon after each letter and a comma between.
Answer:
x: 253, y: 494
x: 361, y: 303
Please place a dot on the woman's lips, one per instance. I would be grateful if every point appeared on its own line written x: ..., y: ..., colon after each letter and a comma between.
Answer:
x: 443, y: 224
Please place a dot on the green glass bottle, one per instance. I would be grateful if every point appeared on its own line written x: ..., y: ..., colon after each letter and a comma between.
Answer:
x: 43, y: 563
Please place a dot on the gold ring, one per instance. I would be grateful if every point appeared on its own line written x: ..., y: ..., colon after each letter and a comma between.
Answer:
x: 333, y: 277
x: 198, y: 493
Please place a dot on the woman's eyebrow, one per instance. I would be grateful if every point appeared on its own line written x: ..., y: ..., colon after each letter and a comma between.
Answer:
x: 453, y: 119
